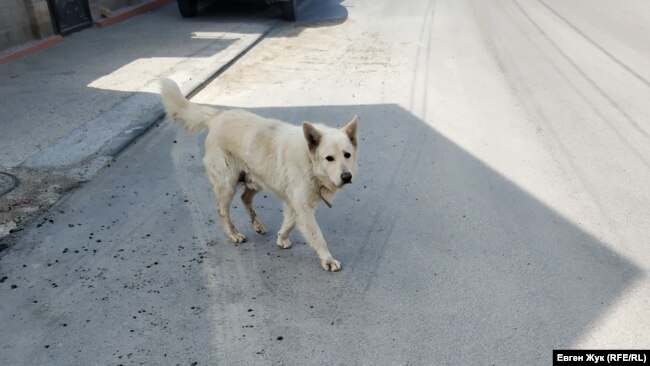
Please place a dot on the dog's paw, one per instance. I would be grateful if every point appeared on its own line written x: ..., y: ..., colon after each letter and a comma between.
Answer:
x: 284, y: 243
x: 258, y: 227
x: 330, y: 264
x: 237, y: 238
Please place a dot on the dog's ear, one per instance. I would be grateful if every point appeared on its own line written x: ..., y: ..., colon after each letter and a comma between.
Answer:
x: 351, y: 130
x: 312, y: 135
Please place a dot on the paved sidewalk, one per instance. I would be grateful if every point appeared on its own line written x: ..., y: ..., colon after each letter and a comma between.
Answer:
x: 62, y: 106
x: 69, y: 109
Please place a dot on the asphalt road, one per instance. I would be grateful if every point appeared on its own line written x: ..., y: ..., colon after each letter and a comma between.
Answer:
x: 502, y: 208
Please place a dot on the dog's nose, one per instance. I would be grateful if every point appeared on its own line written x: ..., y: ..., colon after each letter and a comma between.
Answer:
x: 346, y: 177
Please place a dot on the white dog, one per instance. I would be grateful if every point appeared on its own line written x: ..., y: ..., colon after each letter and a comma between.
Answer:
x: 302, y: 165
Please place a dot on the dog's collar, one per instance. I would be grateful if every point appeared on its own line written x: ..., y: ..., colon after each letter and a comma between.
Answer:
x: 320, y: 193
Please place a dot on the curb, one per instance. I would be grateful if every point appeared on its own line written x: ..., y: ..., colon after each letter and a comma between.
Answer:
x: 128, y: 136
x: 26, y: 50
x: 130, y: 12
x: 85, y: 151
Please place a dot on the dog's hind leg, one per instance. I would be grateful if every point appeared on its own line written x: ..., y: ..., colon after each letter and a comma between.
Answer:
x: 247, y: 199
x: 288, y: 224
x: 224, y: 199
x: 224, y: 185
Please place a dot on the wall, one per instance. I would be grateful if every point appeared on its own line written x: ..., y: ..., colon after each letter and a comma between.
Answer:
x: 23, y: 21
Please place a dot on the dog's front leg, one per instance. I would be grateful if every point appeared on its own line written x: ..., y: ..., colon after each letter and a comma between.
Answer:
x: 311, y: 231
x: 288, y: 223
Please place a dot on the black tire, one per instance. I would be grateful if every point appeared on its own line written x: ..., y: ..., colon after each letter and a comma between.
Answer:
x: 288, y: 10
x: 188, y: 8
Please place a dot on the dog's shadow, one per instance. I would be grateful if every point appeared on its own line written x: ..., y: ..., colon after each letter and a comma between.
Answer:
x: 433, y: 242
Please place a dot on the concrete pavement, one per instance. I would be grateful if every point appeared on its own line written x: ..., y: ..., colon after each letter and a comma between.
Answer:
x: 501, y: 208
x: 68, y: 110
x: 76, y: 85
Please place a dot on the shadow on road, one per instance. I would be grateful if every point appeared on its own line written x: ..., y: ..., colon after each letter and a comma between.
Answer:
x: 440, y: 253
x: 445, y: 260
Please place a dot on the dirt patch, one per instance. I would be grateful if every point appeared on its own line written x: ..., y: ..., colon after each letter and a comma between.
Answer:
x: 36, y: 192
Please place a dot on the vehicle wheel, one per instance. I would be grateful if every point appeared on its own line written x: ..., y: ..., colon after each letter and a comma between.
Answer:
x: 188, y: 8
x: 288, y: 10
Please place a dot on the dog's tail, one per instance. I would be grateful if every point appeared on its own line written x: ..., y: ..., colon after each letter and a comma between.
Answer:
x: 193, y: 117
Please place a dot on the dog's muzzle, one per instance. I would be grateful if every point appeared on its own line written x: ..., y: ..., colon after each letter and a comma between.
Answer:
x: 346, y: 178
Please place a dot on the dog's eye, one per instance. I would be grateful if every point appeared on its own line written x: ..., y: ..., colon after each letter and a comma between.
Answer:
x: 347, y: 155
x: 329, y: 158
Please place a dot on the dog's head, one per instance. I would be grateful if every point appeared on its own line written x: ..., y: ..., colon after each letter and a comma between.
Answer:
x: 333, y: 152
